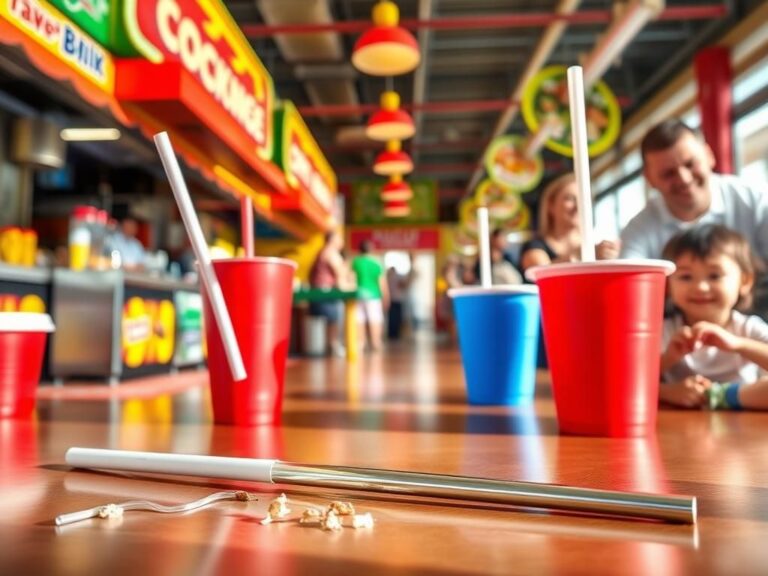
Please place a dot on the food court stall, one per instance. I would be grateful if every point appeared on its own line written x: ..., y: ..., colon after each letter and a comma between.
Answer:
x: 114, y: 325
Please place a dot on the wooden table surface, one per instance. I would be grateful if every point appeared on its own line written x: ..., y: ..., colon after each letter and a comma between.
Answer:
x: 402, y: 410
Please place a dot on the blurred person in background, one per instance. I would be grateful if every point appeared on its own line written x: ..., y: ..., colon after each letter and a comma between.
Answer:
x: 503, y: 267
x: 128, y: 246
x: 329, y: 271
x: 450, y: 277
x: 373, y: 292
x: 678, y: 164
x: 558, y: 235
x: 714, y: 355
x: 397, y: 284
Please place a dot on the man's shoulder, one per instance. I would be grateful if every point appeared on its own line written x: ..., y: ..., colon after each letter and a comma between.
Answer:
x: 749, y: 190
x: 648, y: 216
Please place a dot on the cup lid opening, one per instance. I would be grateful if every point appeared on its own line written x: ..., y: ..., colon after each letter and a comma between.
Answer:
x: 536, y: 273
x: 497, y: 289
x: 25, y: 322
x: 262, y: 259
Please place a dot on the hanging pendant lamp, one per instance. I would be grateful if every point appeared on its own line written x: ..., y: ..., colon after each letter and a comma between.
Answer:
x: 386, y: 49
x: 390, y: 122
x: 396, y: 209
x: 396, y: 190
x: 393, y: 160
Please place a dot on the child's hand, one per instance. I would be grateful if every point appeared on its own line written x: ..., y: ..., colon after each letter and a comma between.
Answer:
x: 713, y: 335
x: 681, y: 343
x: 688, y: 393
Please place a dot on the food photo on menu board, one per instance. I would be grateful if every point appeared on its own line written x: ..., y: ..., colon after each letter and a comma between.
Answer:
x: 545, y: 106
x: 502, y: 202
x: 511, y: 216
x: 509, y: 164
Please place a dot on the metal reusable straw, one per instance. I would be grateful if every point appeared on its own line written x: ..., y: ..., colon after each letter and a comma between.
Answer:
x: 678, y: 509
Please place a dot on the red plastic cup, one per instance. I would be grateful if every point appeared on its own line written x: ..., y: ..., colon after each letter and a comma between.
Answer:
x: 258, y: 293
x: 22, y: 346
x: 602, y: 328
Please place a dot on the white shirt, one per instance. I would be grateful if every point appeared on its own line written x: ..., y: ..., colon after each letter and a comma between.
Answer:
x: 713, y: 363
x: 131, y: 251
x: 503, y: 272
x: 735, y: 204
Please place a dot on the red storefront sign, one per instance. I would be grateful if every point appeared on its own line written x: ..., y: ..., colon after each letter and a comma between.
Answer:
x: 199, y: 69
x: 396, y: 238
x: 60, y: 49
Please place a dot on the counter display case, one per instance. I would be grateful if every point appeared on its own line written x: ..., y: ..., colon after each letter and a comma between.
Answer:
x: 116, y: 325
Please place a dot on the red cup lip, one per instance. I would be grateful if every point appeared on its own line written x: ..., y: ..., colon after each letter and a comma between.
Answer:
x: 263, y: 259
x: 25, y: 322
x: 536, y: 273
x: 498, y: 289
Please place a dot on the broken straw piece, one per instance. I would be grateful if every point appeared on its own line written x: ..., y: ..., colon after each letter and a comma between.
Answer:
x: 116, y: 510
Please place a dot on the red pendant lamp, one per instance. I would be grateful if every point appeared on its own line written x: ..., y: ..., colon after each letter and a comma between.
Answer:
x: 386, y: 49
x: 393, y: 160
x: 396, y: 209
x: 396, y: 190
x: 390, y: 122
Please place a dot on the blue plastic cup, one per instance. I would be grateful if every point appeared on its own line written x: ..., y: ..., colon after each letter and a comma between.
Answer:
x: 498, y: 338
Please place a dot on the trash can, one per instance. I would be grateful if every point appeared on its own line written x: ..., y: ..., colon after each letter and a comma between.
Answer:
x: 314, y: 335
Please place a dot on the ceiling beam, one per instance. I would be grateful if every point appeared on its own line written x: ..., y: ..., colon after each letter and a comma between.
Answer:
x: 447, y: 106
x: 519, y: 20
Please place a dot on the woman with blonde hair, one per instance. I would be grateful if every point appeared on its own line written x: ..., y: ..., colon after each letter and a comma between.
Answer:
x: 558, y: 237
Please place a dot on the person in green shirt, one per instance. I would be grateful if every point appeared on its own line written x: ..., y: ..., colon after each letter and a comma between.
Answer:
x: 373, y: 293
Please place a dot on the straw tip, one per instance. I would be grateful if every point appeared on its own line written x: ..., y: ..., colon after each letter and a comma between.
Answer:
x: 239, y: 375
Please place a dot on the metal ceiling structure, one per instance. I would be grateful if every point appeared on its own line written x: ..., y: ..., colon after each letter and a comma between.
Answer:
x: 476, y: 57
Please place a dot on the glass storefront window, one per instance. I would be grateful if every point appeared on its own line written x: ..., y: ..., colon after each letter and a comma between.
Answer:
x: 751, y: 143
x: 606, y: 218
x: 631, y: 199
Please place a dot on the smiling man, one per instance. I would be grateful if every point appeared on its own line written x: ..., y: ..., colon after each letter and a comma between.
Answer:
x: 679, y: 165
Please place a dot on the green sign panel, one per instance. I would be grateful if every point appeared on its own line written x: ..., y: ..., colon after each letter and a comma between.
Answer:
x: 368, y: 208
x: 94, y: 17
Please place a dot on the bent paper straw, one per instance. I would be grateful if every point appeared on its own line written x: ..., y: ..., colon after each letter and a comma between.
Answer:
x: 484, y: 238
x: 581, y: 160
x: 246, y: 225
x: 208, y: 275
x: 679, y: 509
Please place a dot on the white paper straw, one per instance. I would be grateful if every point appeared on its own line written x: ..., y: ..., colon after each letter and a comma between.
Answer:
x: 208, y: 275
x: 581, y: 160
x: 246, y: 225
x: 484, y: 238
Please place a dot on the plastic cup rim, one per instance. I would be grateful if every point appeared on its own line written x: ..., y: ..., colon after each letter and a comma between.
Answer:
x: 26, y: 322
x: 537, y: 273
x: 525, y: 289
x: 263, y: 259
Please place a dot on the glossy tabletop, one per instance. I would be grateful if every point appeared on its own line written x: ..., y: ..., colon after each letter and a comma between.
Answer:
x: 404, y: 409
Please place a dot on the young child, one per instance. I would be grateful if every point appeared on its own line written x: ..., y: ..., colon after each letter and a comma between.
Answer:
x: 714, y: 356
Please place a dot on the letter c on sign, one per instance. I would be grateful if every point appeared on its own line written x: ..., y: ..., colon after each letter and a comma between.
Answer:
x: 168, y: 12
